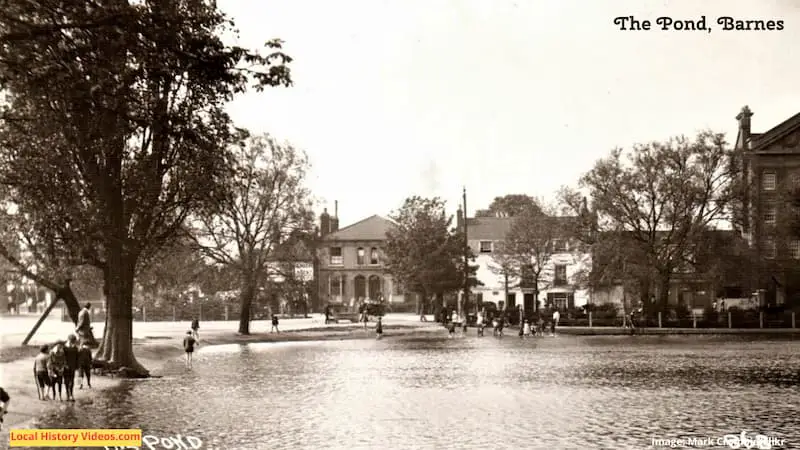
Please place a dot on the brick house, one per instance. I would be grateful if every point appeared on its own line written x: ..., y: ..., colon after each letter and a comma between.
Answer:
x: 768, y: 169
x: 351, y: 263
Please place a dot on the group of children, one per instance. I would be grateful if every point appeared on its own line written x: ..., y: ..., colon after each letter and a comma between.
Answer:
x: 528, y: 328
x: 57, y: 364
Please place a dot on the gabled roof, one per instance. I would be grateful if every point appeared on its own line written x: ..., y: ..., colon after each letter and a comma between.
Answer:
x: 373, y: 228
x: 759, y: 142
x: 488, y: 228
x: 496, y: 228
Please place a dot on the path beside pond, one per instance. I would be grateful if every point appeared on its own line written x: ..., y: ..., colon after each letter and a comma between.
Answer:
x: 154, y: 344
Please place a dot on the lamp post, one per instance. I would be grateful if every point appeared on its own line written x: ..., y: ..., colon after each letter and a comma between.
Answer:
x: 461, y: 311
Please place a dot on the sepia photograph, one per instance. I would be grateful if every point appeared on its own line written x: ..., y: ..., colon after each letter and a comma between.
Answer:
x: 399, y: 224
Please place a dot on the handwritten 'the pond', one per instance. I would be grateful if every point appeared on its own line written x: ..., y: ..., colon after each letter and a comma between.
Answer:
x: 177, y: 442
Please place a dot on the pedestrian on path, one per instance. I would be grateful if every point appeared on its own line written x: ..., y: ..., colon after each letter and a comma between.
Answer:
x: 379, y: 329
x: 188, y: 346
x: 274, y: 328
x: 554, y: 324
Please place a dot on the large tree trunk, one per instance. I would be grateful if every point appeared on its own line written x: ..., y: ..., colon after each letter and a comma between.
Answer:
x: 246, y: 299
x: 116, y: 349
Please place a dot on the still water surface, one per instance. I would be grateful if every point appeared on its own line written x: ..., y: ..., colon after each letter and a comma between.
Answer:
x: 566, y: 392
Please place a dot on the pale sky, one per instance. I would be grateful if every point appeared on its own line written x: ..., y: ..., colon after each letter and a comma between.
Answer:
x: 404, y: 97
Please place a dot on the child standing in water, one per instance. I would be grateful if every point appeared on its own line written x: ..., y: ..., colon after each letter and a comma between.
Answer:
x: 379, y: 329
x: 188, y: 346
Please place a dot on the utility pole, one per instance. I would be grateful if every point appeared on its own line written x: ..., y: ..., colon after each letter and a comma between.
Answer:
x: 462, y: 313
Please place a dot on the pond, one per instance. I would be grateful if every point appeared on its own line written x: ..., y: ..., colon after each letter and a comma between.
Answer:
x: 433, y: 392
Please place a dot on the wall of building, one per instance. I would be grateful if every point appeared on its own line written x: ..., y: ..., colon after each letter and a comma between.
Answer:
x: 577, y: 265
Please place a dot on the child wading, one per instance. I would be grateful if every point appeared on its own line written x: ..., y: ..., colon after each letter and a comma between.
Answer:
x: 379, y: 329
x: 452, y: 329
x: 85, y: 364
x: 188, y: 346
x: 526, y: 328
x: 274, y: 324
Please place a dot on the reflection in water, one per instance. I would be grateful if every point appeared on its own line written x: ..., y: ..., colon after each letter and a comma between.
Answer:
x: 568, y: 392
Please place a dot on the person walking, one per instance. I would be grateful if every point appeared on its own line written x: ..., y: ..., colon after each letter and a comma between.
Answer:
x: 554, y: 324
x: 379, y: 329
x: 195, y: 328
x: 365, y: 317
x: 274, y: 328
x: 84, y: 327
x: 188, y: 346
x: 71, y: 355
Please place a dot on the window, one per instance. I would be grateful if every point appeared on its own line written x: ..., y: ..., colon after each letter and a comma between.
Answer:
x: 795, y: 180
x: 794, y: 246
x: 557, y: 301
x: 373, y: 256
x: 770, y: 251
x: 336, y: 256
x: 560, y: 278
x: 559, y: 245
x: 769, y: 180
x: 486, y: 246
x: 770, y: 214
x: 336, y: 286
x: 360, y: 256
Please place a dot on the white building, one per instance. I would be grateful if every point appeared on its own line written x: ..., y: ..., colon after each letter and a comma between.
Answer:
x: 560, y: 282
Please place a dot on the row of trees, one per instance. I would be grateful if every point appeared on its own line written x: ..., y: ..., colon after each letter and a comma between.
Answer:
x: 116, y: 150
x: 656, y: 211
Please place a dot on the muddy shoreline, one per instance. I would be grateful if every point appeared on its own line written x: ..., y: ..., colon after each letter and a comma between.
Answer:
x: 153, y: 353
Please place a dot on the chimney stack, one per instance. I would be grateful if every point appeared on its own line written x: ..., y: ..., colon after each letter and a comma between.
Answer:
x: 335, y: 218
x: 744, y: 124
x: 325, y: 223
